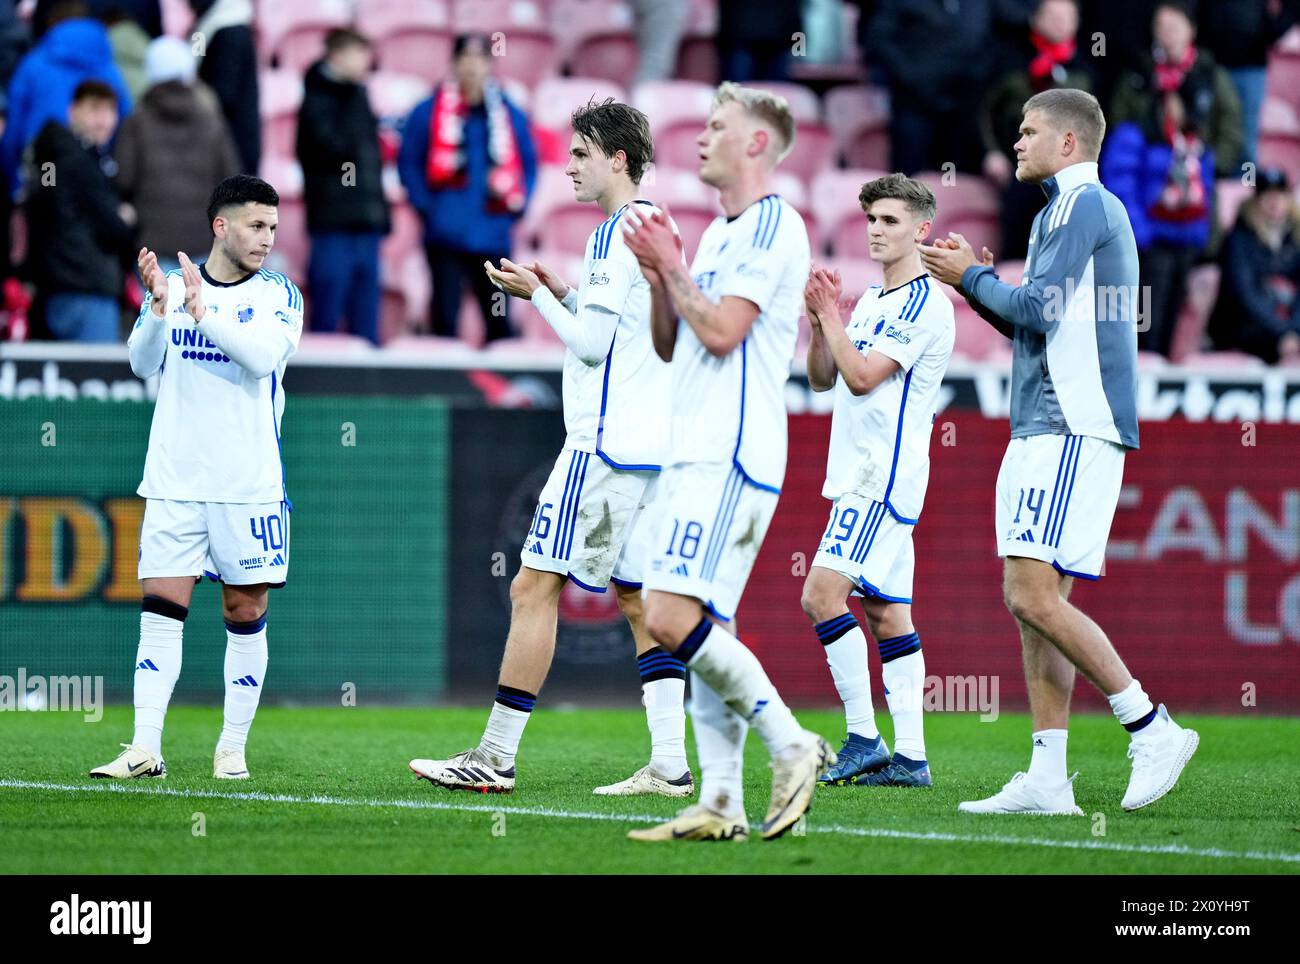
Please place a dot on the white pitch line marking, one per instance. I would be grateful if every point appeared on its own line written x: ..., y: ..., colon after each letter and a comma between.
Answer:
x: 258, y: 796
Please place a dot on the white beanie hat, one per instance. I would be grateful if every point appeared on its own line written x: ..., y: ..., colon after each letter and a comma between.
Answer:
x: 169, y: 58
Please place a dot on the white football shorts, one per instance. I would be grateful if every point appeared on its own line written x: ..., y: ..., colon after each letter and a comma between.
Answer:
x: 868, y: 546
x: 591, y: 523
x: 240, y: 544
x: 1056, y: 500
x: 711, y: 524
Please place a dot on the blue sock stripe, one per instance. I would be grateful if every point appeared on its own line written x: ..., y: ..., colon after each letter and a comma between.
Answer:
x: 899, y: 646
x: 247, y: 629
x: 670, y: 662
x: 1139, y: 724
x: 516, y: 699
x: 691, y: 644
x: 832, y: 629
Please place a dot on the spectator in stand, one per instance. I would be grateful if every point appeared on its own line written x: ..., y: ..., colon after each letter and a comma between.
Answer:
x: 79, y: 231
x: 659, y: 25
x: 130, y: 44
x: 1240, y: 34
x: 75, y: 48
x: 347, y: 216
x: 229, y: 66
x: 172, y: 152
x: 14, y: 41
x: 469, y: 165
x: 1174, y: 121
x: 756, y: 40
x: 1049, y: 58
x: 1258, y: 309
x: 934, y: 54
x: 147, y: 13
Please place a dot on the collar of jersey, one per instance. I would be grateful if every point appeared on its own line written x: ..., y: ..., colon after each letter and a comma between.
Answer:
x: 759, y: 201
x: 203, y: 270
x: 923, y: 274
x: 1084, y: 172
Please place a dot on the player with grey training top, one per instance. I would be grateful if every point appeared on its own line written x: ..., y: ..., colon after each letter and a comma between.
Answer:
x: 1073, y: 322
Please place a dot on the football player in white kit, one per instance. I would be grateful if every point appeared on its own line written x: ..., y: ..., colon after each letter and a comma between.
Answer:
x: 886, y: 370
x: 218, y: 334
x: 590, y: 526
x: 729, y: 325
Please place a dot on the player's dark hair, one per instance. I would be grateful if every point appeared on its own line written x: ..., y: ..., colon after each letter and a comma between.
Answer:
x: 240, y: 189
x: 341, y: 38
x: 899, y: 187
x: 94, y: 90
x: 615, y: 127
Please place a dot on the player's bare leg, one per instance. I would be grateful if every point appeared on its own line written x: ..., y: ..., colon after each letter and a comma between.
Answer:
x: 825, y: 602
x: 244, y: 608
x: 730, y: 685
x: 663, y: 690
x: 165, y: 604
x: 530, y: 647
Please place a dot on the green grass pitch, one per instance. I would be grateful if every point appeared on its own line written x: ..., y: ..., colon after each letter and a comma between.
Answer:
x: 331, y: 793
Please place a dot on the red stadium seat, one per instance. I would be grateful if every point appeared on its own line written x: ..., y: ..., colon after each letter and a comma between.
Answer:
x: 1284, y: 79
x: 289, y: 256
x: 393, y: 95
x: 1012, y: 272
x: 333, y: 342
x: 840, y: 220
x: 968, y: 206
x: 859, y: 119
x: 599, y: 38
x: 1221, y: 361
x: 410, y: 36
x: 692, y: 204
x: 1279, y: 137
x: 524, y: 48
x: 697, y: 52
x: 558, y: 97
x: 1229, y: 192
x: 428, y: 345
x: 280, y: 96
x: 678, y: 111
x: 1202, y: 292
x: 555, y: 219
x: 293, y: 31
x: 797, y: 195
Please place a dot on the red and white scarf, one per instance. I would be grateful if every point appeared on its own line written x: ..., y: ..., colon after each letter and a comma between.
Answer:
x: 447, y: 165
x: 1047, y: 58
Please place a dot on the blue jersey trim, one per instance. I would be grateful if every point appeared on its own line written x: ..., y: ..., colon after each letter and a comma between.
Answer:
x: 714, y: 610
x: 740, y: 432
x: 625, y: 584
x: 898, y: 445
x: 284, y: 489
x: 582, y: 585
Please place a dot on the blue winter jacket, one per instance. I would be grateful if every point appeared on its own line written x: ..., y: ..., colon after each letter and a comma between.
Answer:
x: 1135, y: 173
x: 459, y: 218
x: 42, y: 87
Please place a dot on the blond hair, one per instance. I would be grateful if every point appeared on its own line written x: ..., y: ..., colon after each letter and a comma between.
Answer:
x: 1072, y: 110
x: 772, y: 109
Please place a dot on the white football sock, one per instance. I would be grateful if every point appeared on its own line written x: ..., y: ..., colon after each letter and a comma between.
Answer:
x: 904, y: 679
x: 505, y: 725
x: 157, y: 667
x: 735, y: 674
x: 665, y: 714
x: 246, y: 658
x: 847, y: 657
x: 1047, y: 763
x: 1132, y: 704
x: 720, y: 740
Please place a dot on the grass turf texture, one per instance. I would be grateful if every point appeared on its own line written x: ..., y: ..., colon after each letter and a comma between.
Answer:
x: 1236, y: 797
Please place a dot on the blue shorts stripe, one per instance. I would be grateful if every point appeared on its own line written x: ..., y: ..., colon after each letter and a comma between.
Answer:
x: 875, y: 527
x: 711, y: 564
x: 1072, y: 470
x: 577, y: 501
x: 1056, y: 489
x: 714, y: 546
x: 564, y: 508
x: 862, y: 534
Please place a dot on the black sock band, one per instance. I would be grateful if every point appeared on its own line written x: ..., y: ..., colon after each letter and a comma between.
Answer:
x: 164, y: 607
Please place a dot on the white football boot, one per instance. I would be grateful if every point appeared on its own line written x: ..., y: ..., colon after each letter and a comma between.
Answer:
x: 1022, y: 796
x: 649, y: 782
x: 1158, y: 760
x: 697, y: 822
x: 229, y: 765
x: 794, y: 778
x: 134, y: 761
x: 474, y: 769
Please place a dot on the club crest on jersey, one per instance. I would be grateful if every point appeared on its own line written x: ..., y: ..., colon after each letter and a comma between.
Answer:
x: 880, y: 326
x: 244, y: 313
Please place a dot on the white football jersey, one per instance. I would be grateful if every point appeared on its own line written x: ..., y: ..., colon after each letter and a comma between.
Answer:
x: 733, y: 409
x: 215, y: 435
x: 880, y: 442
x: 619, y: 408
